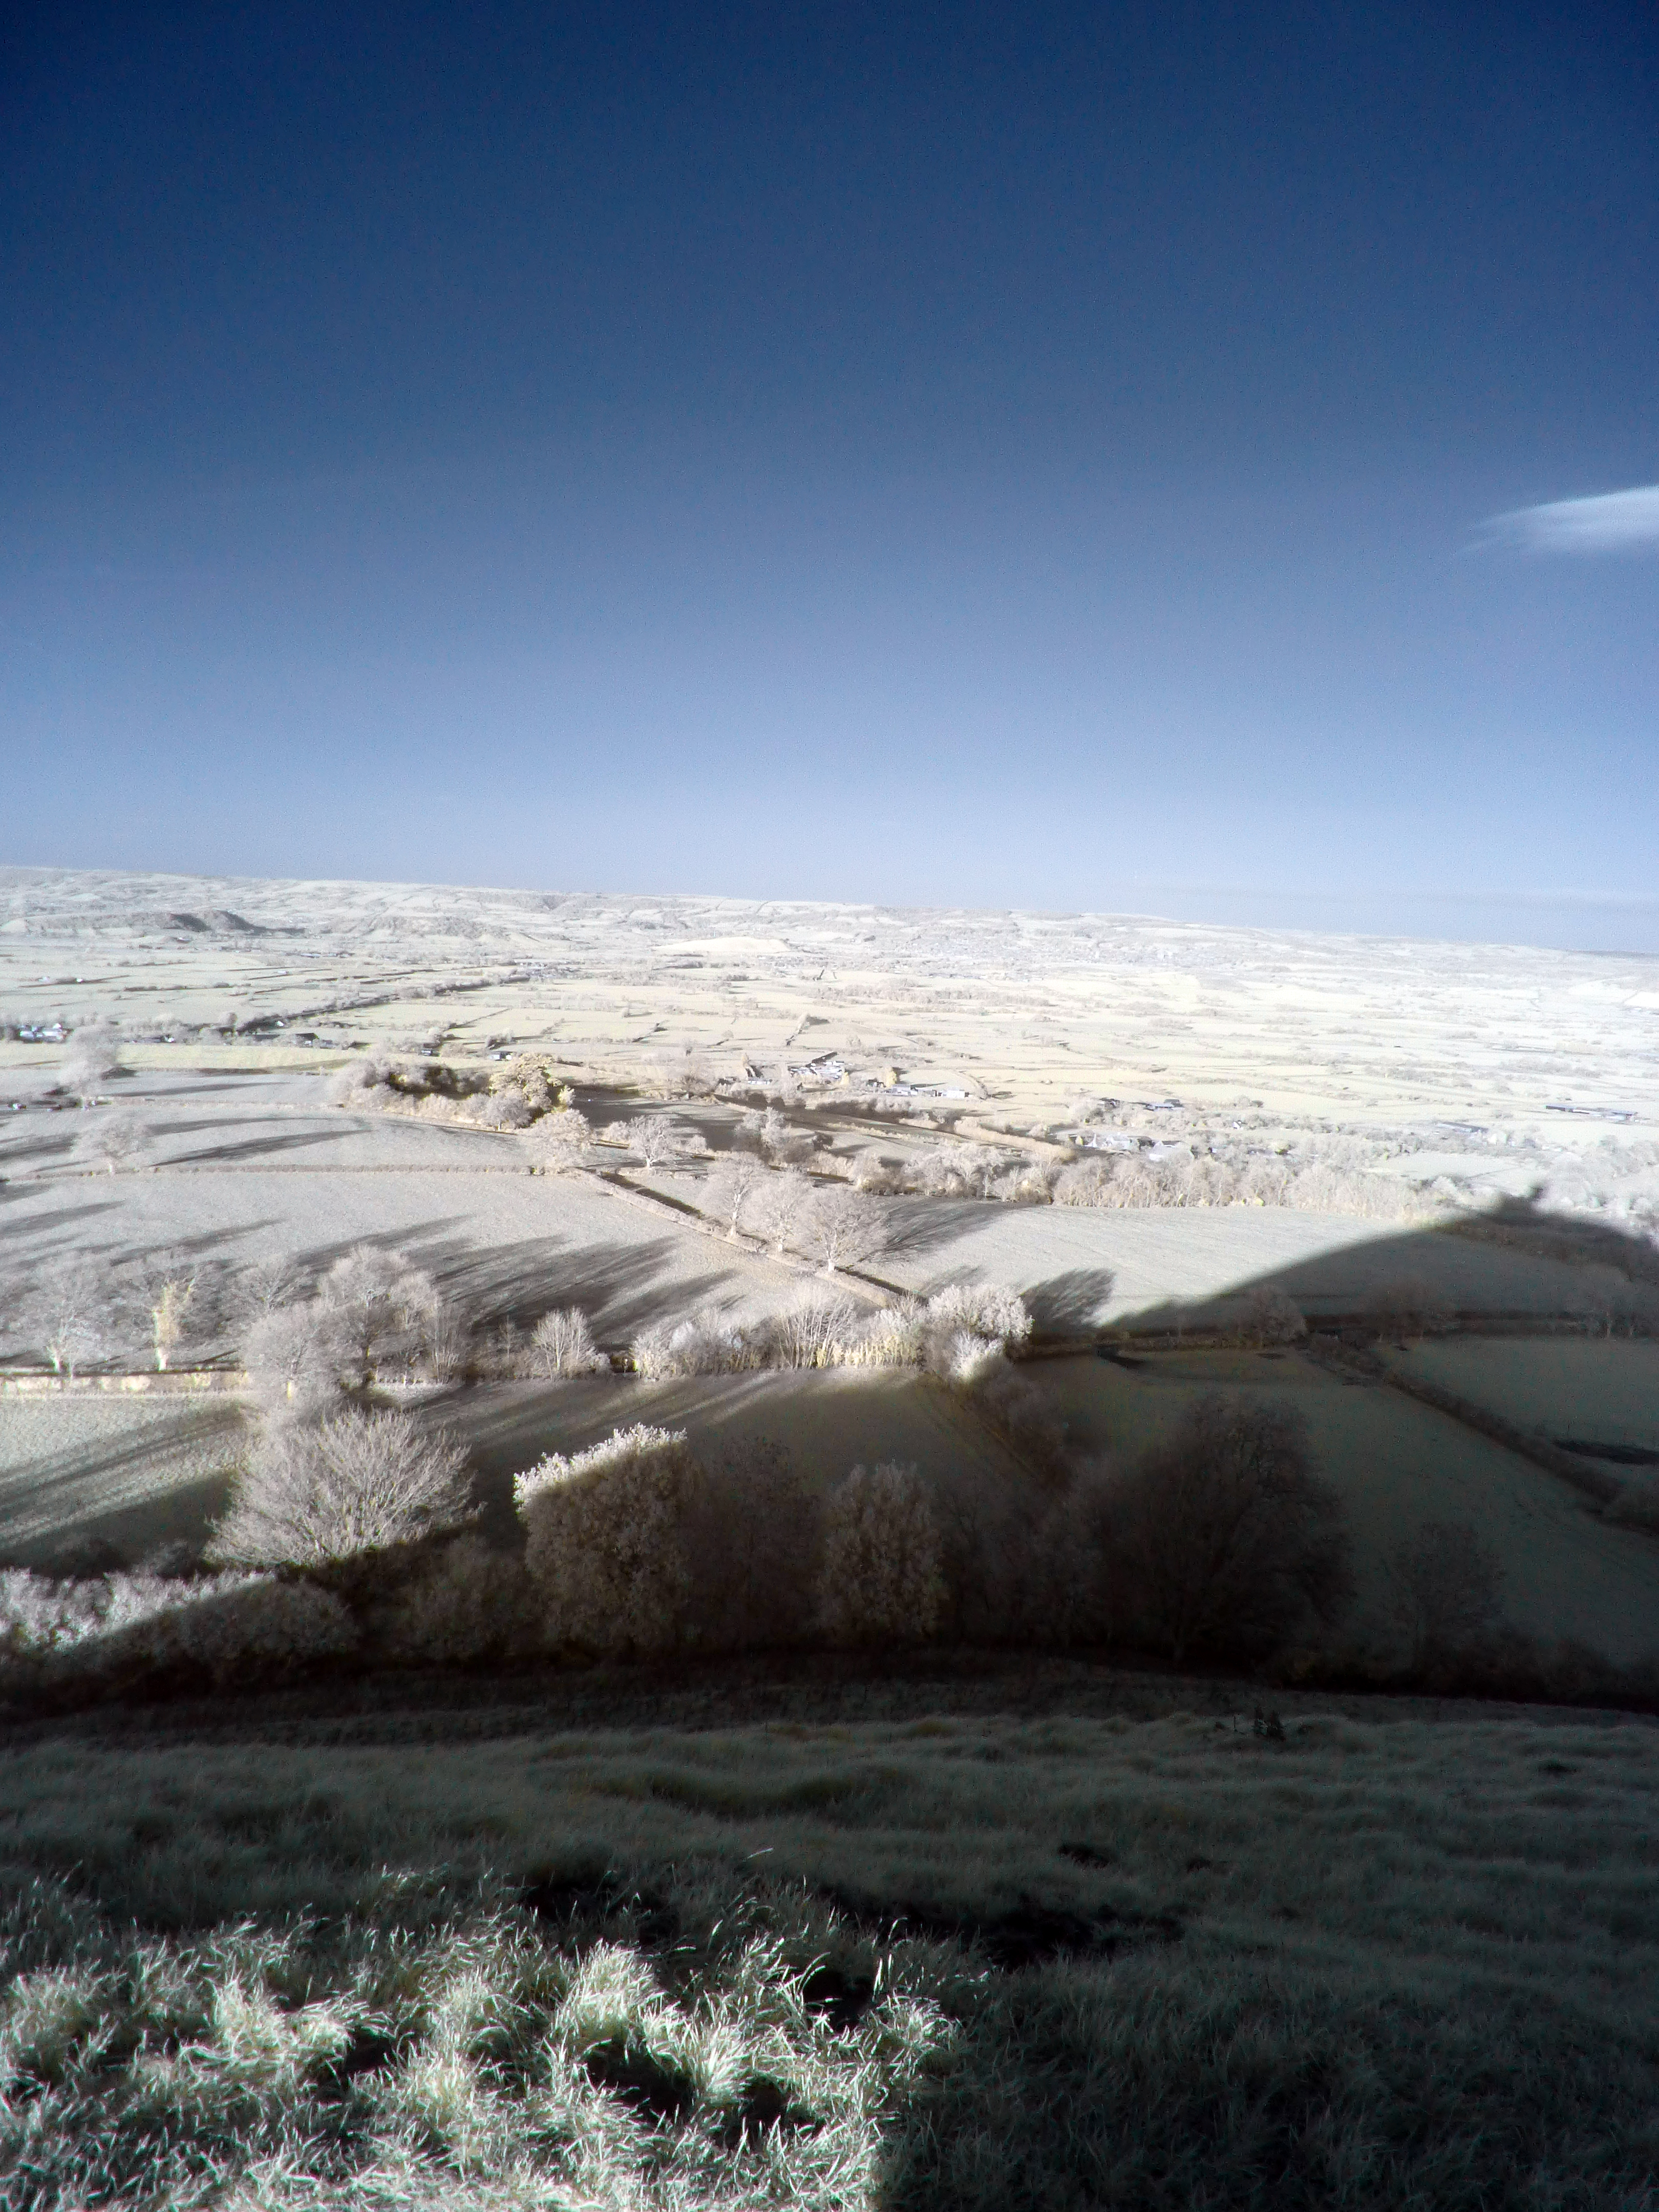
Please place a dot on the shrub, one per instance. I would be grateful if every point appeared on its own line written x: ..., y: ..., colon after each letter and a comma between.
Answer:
x: 362, y: 1482
x: 356, y: 1082
x: 816, y: 1331
x: 562, y: 1343
x: 227, y: 1626
x: 1228, y: 1538
x: 1407, y: 1307
x: 1272, y: 1316
x: 461, y: 1604
x: 1009, y: 1404
x: 703, y: 1344
x: 750, y: 1531
x: 1447, y: 1591
x: 990, y: 1315
x: 602, y: 1541
x: 880, y: 1577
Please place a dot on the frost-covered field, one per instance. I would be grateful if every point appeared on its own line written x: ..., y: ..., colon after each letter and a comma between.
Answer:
x: 131, y: 1475
x: 1470, y: 1050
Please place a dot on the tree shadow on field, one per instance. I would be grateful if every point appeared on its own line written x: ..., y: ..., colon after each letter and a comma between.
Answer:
x: 1072, y: 1303
x: 253, y: 1148
x: 622, y: 1288
x: 37, y: 1225
x: 123, y: 1490
x: 919, y: 1225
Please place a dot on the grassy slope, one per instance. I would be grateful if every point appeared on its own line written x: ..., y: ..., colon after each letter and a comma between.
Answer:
x: 1394, y: 1960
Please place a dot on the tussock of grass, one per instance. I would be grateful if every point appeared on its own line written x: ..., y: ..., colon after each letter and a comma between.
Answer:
x: 962, y: 1963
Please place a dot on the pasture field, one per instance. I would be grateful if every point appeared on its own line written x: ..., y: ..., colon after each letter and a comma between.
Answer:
x: 1083, y: 1269
x: 133, y: 1474
x: 1605, y: 1391
x: 1022, y: 1012
x: 1396, y: 1464
x: 955, y: 1958
x: 85, y: 1479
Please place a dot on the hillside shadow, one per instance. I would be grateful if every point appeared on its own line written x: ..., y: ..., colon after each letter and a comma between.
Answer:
x: 1517, y: 1262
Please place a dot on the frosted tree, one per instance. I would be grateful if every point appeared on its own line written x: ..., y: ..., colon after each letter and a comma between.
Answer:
x: 842, y: 1226
x: 111, y: 1142
x: 92, y: 1057
x: 781, y: 1204
x: 359, y: 1483
x: 731, y: 1189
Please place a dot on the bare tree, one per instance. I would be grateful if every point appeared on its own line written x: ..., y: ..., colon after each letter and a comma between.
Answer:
x: 263, y: 1288
x: 731, y: 1188
x: 92, y: 1057
x: 843, y: 1227
x: 781, y: 1204
x: 1448, y: 1587
x: 1227, y: 1539
x: 295, y: 1356
x: 359, y: 1483
x: 385, y: 1305
x: 562, y: 1343
x: 172, y: 1286
x: 73, y: 1311
x: 110, y: 1140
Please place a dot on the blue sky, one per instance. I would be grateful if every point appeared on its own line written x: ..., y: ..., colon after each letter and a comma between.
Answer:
x: 1189, y: 459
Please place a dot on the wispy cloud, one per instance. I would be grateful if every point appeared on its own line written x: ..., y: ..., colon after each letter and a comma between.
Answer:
x: 1616, y: 522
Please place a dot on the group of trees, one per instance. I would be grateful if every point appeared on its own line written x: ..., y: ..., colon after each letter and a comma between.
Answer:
x: 329, y: 1476
x: 517, y: 1095
x: 1221, y: 1545
x: 79, y: 1312
x: 956, y: 1332
x: 636, y: 1547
